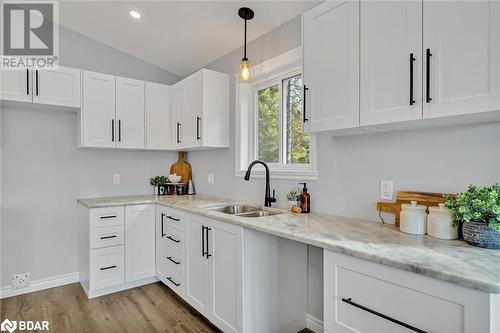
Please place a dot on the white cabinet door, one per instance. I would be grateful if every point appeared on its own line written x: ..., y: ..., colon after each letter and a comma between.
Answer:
x: 226, y: 256
x: 139, y: 242
x: 16, y: 85
x: 197, y: 274
x: 192, y: 104
x: 161, y: 265
x: 106, y: 267
x: 331, y: 65
x: 177, y: 129
x: 391, y: 61
x: 98, y: 128
x: 158, y: 116
x: 130, y: 113
x: 463, y: 39
x: 57, y: 87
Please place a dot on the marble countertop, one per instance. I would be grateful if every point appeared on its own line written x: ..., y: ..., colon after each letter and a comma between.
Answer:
x: 452, y: 261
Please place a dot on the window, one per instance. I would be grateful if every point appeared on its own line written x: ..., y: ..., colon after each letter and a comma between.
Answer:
x: 280, y: 138
x: 269, y: 123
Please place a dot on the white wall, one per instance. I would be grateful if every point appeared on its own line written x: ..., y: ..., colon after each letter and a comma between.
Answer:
x: 350, y: 168
x: 43, y: 173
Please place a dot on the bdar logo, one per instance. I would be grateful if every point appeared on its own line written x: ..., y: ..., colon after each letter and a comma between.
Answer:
x: 8, y: 325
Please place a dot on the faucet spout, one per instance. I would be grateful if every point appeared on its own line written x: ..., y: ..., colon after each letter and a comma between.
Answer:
x: 267, y: 199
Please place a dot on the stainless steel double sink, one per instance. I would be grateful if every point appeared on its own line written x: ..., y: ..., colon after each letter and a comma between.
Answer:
x: 244, y: 211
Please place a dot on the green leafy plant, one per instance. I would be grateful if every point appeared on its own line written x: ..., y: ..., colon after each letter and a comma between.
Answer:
x: 158, y: 180
x: 293, y: 195
x: 478, y: 204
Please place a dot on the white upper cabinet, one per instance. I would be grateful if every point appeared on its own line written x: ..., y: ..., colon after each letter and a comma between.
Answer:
x: 140, y: 242
x: 130, y: 113
x: 192, y: 106
x: 331, y: 66
x: 158, y: 116
x: 97, y: 117
x: 16, y: 86
x: 391, y: 61
x: 176, y: 129
x: 462, y: 71
x: 57, y: 87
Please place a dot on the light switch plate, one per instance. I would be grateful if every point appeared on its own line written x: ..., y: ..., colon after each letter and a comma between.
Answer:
x: 211, y: 178
x: 386, y: 189
x: 116, y: 178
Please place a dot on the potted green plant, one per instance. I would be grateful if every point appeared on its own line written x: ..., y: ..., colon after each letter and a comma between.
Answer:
x: 293, y: 198
x: 158, y: 182
x: 478, y: 209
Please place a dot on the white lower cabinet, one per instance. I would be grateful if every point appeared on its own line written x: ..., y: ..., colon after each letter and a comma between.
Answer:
x: 106, y: 267
x: 362, y: 296
x: 140, y: 242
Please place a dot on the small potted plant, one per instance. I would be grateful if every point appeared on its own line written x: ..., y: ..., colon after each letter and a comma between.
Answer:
x: 159, y: 182
x: 293, y: 199
x: 478, y: 210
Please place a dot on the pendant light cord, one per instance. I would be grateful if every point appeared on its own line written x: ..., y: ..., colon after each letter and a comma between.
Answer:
x: 245, y: 44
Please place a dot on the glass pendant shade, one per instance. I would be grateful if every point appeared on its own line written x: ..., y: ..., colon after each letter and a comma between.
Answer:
x: 245, y: 73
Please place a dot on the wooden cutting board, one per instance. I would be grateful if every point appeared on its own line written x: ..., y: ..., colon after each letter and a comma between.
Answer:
x: 181, y: 168
x: 423, y: 198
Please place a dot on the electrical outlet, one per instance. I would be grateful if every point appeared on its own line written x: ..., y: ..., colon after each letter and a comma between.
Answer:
x: 211, y: 178
x: 116, y: 178
x: 386, y: 189
x: 20, y: 281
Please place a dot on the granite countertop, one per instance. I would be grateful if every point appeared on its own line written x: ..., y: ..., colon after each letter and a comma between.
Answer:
x: 453, y: 261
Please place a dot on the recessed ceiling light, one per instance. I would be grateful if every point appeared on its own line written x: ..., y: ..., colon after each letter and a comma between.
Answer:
x: 135, y: 14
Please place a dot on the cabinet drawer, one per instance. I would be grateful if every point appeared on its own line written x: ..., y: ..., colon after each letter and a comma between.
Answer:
x: 174, y: 239
x: 172, y: 265
x: 357, y: 294
x: 106, y: 267
x: 173, y: 220
x: 106, y: 236
x: 107, y: 216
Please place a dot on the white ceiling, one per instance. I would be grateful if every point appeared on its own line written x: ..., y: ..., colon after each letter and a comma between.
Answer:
x: 178, y: 36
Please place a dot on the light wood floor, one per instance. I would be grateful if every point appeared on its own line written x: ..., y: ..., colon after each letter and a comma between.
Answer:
x: 150, y: 308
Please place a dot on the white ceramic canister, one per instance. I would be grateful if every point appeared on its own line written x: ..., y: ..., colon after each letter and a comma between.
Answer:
x: 413, y: 219
x: 439, y: 223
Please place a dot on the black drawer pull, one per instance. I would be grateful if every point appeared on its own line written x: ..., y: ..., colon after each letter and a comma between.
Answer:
x: 108, y: 217
x: 173, y: 218
x: 27, y: 82
x: 304, y: 94
x: 109, y: 267
x: 108, y: 237
x: 163, y: 234
x: 170, y: 279
x: 412, y: 60
x: 408, y: 326
x: 428, y: 98
x: 173, y: 239
x: 172, y: 260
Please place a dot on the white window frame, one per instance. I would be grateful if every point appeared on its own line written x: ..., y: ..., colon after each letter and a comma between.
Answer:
x: 267, y: 74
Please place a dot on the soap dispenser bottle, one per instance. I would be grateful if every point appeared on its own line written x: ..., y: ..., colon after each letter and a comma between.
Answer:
x: 305, y: 200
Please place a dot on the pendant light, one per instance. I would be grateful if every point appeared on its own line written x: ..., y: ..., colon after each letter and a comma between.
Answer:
x: 245, y: 73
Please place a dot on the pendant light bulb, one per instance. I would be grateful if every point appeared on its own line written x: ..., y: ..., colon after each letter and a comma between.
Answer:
x: 245, y: 73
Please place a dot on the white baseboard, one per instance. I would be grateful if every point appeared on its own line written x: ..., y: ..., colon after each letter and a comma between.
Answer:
x: 40, y: 284
x: 314, y: 324
x: 120, y: 287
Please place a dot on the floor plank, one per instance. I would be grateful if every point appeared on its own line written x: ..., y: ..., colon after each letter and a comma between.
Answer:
x: 150, y: 308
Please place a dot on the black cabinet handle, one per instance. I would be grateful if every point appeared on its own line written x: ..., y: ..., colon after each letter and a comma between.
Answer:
x: 108, y: 237
x: 198, y: 120
x: 163, y: 234
x: 178, y: 129
x: 109, y: 267
x: 112, y: 130
x: 173, y: 239
x: 428, y: 98
x: 203, y: 240
x: 207, y: 229
x: 27, y: 82
x: 172, y: 260
x: 108, y: 217
x: 408, y: 326
x: 173, y: 218
x: 36, y: 78
x: 119, y: 130
x: 304, y: 107
x: 412, y: 60
x: 170, y: 279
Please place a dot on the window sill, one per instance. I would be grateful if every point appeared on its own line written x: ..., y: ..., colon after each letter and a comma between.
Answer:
x: 282, y: 174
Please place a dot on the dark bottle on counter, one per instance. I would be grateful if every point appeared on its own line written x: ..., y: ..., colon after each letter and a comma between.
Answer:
x: 305, y: 200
